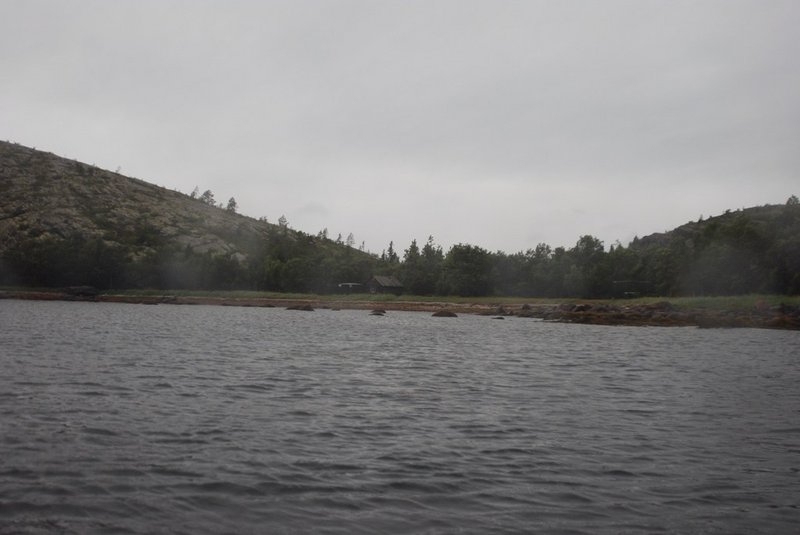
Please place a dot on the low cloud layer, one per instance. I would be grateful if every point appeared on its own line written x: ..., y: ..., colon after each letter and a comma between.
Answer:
x: 501, y: 124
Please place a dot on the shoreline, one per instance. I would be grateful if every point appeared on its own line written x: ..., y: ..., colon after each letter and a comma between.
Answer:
x: 660, y: 314
x: 266, y: 302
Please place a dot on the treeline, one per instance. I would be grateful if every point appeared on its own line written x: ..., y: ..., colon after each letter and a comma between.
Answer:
x: 756, y: 250
x: 285, y: 261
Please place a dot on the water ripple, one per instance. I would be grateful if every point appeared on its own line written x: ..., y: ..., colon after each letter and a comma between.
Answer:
x: 226, y: 420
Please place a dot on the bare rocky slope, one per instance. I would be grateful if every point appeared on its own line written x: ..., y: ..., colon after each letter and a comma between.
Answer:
x: 45, y: 196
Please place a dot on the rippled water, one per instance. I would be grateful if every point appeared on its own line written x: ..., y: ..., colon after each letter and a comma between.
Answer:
x: 176, y: 419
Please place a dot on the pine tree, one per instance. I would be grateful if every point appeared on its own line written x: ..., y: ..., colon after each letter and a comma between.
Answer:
x: 207, y: 197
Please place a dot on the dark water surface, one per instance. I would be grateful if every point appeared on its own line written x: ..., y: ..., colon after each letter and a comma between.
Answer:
x: 179, y: 419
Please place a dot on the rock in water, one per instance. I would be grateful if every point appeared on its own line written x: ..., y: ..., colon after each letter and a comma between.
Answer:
x: 307, y: 308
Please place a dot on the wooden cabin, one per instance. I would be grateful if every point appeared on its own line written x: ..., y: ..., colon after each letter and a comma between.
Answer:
x: 382, y: 284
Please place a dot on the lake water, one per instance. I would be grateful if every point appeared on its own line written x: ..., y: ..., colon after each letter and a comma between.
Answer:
x: 123, y: 419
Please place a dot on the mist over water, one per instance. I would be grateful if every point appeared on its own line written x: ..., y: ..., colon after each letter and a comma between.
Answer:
x: 192, y: 419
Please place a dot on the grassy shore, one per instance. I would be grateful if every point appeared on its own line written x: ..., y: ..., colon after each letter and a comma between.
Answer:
x: 729, y: 303
x: 756, y: 311
x: 738, y: 302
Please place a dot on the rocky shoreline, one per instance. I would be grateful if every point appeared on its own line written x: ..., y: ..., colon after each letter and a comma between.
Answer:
x: 665, y: 314
x: 661, y: 314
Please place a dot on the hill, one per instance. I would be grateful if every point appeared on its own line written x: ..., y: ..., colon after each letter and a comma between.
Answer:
x: 743, y: 251
x: 63, y: 222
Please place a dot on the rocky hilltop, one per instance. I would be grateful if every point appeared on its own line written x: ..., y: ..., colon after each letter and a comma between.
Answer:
x: 63, y: 222
x: 45, y: 196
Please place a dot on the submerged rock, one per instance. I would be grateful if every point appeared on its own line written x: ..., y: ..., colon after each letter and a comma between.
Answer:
x: 307, y: 308
x: 444, y: 314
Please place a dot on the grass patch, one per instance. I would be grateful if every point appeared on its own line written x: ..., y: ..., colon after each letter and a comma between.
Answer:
x: 30, y: 289
x: 734, y: 302
x: 738, y: 302
x: 731, y: 302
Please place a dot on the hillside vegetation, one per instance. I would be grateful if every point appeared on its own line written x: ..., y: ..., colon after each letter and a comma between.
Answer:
x: 754, y: 250
x: 65, y: 223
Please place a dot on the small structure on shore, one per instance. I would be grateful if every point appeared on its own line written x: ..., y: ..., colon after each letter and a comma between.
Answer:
x: 350, y: 287
x: 631, y: 289
x: 380, y: 284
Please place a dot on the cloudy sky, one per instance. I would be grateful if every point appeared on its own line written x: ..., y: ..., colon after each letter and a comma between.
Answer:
x: 496, y: 123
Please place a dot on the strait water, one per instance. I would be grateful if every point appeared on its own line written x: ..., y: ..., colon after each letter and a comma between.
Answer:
x: 193, y: 419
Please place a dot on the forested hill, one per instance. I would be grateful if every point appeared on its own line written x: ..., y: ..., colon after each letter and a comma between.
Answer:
x: 63, y: 222
x: 754, y: 250
x: 743, y: 251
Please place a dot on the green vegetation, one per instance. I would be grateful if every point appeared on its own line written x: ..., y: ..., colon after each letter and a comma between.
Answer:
x: 751, y: 251
x: 63, y: 223
x: 724, y: 303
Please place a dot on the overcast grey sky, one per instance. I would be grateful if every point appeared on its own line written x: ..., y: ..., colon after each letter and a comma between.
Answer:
x: 496, y: 123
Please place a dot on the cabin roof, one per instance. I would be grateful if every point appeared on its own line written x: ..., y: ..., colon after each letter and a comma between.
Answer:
x: 387, y: 281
